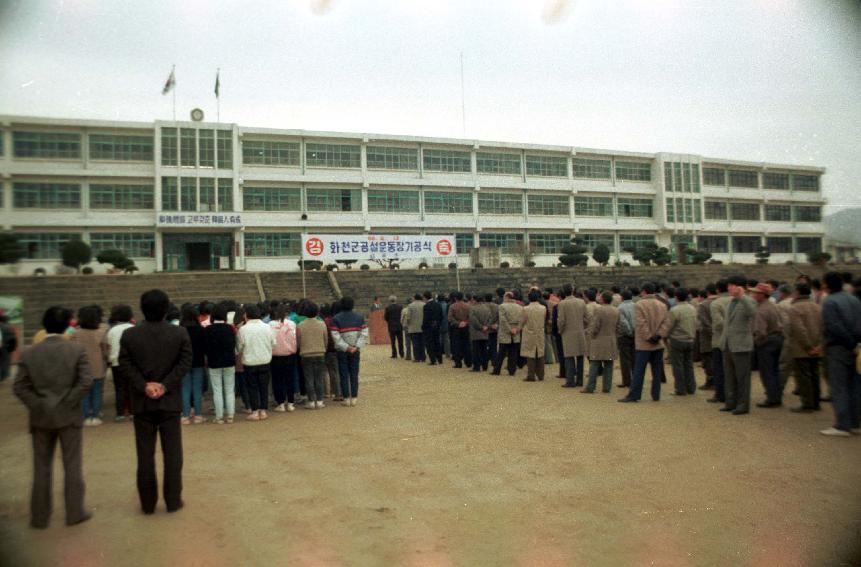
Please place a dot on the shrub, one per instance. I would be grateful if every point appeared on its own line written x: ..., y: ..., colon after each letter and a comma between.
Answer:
x: 715, y: 262
x: 40, y: 272
x: 330, y: 267
x: 452, y: 265
x: 698, y: 256
x: 530, y: 264
x: 310, y: 264
x: 601, y: 254
x: 479, y: 265
x: 116, y: 258
x: 130, y: 269
x: 347, y: 263
x: 504, y: 265
x: 364, y: 267
x: 762, y: 255
x: 573, y: 254
x: 423, y: 266
x: 818, y: 258
x: 11, y: 250
x: 87, y: 271
x: 75, y: 253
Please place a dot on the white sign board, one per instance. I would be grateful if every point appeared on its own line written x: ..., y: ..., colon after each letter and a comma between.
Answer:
x: 198, y: 220
x: 330, y: 247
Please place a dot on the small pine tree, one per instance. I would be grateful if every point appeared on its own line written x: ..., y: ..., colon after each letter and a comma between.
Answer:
x: 574, y: 254
x: 76, y: 253
x: 762, y: 255
x: 601, y: 254
x: 114, y: 257
x: 662, y: 256
x: 11, y: 250
x: 645, y: 255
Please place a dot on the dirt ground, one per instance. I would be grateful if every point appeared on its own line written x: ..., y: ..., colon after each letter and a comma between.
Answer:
x: 437, y: 466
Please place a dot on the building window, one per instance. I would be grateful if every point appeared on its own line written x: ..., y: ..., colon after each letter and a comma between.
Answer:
x: 590, y: 241
x: 47, y: 145
x: 187, y: 147
x: 805, y: 182
x: 464, y: 242
x: 498, y: 164
x: 775, y: 180
x: 508, y: 243
x: 671, y: 210
x: 447, y: 160
x: 272, y: 244
x: 714, y: 176
x: 44, y: 245
x: 333, y: 155
x: 122, y: 197
x: 808, y: 214
x: 387, y: 157
x: 265, y: 152
x: 585, y: 168
x: 391, y: 201
x: 169, y: 194
x: 225, y: 149
x: 548, y: 243
x: 746, y: 244
x: 169, y: 146
x: 188, y: 194
x: 808, y: 245
x: 778, y: 213
x: 500, y: 203
x: 698, y: 210
x: 206, y: 145
x: 546, y: 166
x: 447, y: 202
x: 593, y: 206
x: 743, y: 178
x: 713, y: 243
x: 121, y: 148
x: 716, y: 210
x: 344, y: 200
x: 271, y: 199
x: 225, y: 194
x: 744, y: 211
x: 633, y: 171
x: 207, y: 194
x: 548, y: 205
x: 638, y: 208
x: 677, y: 239
x: 46, y: 196
x: 779, y: 244
x: 695, y: 177
x: 135, y: 245
x: 629, y: 242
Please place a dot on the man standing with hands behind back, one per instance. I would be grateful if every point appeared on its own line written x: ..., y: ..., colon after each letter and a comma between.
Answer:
x: 155, y: 356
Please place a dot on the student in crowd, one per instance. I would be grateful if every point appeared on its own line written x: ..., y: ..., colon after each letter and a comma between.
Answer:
x: 284, y: 359
x: 121, y: 316
x: 350, y: 334
x: 192, y: 384
x: 313, y: 338
x: 532, y: 343
x: 602, y: 343
x: 92, y: 336
x: 221, y: 360
x: 255, y: 343
x: 331, y: 356
x: 681, y: 334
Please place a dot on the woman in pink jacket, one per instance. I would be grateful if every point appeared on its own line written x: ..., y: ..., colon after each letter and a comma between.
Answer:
x: 284, y: 359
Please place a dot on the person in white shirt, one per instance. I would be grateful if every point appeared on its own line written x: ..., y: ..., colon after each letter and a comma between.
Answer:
x: 121, y: 316
x: 254, y: 344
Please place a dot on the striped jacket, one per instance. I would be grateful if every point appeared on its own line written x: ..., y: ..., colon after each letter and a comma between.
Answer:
x: 348, y: 329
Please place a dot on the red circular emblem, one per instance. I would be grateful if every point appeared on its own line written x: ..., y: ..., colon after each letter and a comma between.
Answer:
x: 443, y: 247
x: 314, y: 246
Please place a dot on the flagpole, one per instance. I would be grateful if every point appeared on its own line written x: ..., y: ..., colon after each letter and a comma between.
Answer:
x: 172, y: 74
x: 462, y: 96
x: 218, y: 95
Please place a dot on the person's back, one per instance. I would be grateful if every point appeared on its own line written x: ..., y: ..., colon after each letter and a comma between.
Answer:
x: 155, y: 352
x: 256, y: 340
x: 683, y: 322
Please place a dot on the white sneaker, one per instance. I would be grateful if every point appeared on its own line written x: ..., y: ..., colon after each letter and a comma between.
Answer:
x: 309, y: 405
x: 290, y: 407
x: 96, y: 421
x: 346, y: 402
x: 280, y: 407
x: 353, y: 401
x: 88, y: 421
x: 834, y: 432
x: 320, y: 404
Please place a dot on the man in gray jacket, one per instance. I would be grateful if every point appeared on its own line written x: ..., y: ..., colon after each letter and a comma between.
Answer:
x: 683, y: 326
x: 736, y: 343
x: 53, y: 377
x: 414, y: 321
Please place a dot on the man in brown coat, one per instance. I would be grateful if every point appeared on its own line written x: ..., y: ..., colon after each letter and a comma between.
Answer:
x: 572, y: 322
x: 510, y: 319
x: 602, y: 343
x: 532, y: 337
x: 805, y: 344
x: 768, y: 340
x: 53, y: 377
x: 651, y: 324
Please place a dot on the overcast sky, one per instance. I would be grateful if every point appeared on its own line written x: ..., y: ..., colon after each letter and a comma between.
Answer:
x: 759, y: 80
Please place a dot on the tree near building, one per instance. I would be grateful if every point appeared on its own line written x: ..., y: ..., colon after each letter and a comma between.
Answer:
x: 663, y: 256
x: 574, y: 254
x: 818, y: 258
x: 762, y: 255
x: 76, y: 253
x: 116, y: 258
x: 698, y: 256
x: 601, y: 254
x: 11, y: 251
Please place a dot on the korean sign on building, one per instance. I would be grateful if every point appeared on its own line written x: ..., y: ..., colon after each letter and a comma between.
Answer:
x: 329, y: 247
x: 198, y: 220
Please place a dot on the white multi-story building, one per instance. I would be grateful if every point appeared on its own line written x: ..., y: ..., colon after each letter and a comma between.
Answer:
x: 181, y: 196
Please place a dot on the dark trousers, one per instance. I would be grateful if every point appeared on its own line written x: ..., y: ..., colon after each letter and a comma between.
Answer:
x: 768, y: 362
x: 506, y: 351
x: 736, y: 367
x: 560, y: 356
x: 718, y: 374
x: 166, y: 425
x: 807, y: 377
x: 460, y: 347
x: 605, y: 369
x: 257, y: 382
x: 844, y: 386
x: 655, y: 359
x: 44, y: 442
x: 433, y: 345
x: 535, y: 368
x: 348, y: 372
x: 418, y: 341
x: 122, y: 389
x: 397, y: 340
x: 706, y: 358
x: 242, y: 388
x: 282, y: 370
x: 626, y: 358
x: 681, y: 358
x: 479, y: 355
x: 492, y: 346
x: 574, y: 366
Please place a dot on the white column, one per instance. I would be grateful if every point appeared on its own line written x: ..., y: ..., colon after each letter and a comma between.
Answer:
x: 159, y: 251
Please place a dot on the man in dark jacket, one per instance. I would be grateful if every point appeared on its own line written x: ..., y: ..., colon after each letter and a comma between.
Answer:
x: 392, y: 316
x: 53, y: 377
x: 432, y: 317
x: 841, y: 317
x: 155, y: 356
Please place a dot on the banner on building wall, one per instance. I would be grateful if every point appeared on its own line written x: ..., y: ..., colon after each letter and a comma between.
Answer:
x: 196, y: 220
x: 330, y: 247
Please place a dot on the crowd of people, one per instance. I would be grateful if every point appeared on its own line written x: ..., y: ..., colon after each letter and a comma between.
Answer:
x: 806, y: 330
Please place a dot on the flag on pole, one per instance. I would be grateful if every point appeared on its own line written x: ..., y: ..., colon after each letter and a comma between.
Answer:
x: 170, y: 83
x: 217, y: 83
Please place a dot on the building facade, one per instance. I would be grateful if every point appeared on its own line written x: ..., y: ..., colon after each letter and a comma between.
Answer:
x: 179, y: 196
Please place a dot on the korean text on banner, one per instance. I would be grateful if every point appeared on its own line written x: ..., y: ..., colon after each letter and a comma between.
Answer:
x: 330, y: 247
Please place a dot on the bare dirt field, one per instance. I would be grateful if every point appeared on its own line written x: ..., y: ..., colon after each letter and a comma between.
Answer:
x: 437, y: 466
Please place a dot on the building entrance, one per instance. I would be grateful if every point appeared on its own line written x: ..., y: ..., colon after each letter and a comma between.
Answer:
x: 198, y: 252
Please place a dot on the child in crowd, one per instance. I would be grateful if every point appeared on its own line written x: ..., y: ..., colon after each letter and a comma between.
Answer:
x: 313, y: 339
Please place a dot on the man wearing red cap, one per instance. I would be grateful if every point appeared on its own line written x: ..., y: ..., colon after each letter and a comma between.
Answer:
x: 768, y: 339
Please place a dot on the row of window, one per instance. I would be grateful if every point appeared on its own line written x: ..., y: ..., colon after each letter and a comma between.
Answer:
x: 48, y: 245
x: 719, y: 244
x: 684, y: 210
x: 719, y: 210
x: 770, y: 180
x: 26, y: 195
x: 203, y: 194
x: 63, y: 145
x: 682, y: 177
x: 192, y: 147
